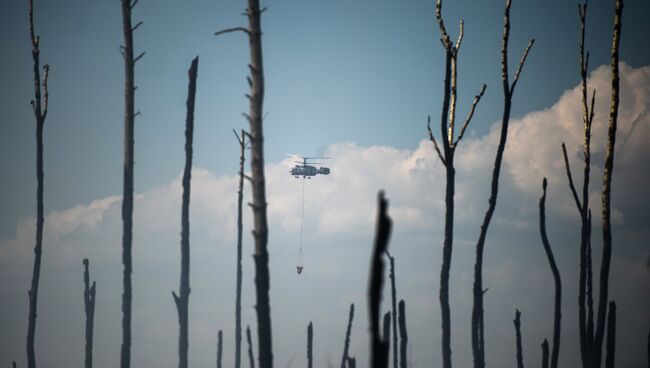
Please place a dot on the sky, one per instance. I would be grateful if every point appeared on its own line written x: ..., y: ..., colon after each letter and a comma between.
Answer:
x: 351, y: 80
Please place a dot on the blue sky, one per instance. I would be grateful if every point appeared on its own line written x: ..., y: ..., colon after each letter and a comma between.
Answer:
x: 350, y: 79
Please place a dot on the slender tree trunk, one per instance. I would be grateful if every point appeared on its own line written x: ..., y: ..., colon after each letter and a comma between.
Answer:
x: 127, y: 199
x: 611, y: 336
x: 310, y: 344
x: 240, y: 200
x: 348, y: 331
x: 403, y: 335
x: 394, y: 305
x: 379, y: 347
x: 385, y: 336
x: 478, y: 340
x: 182, y: 299
x: 606, y: 193
x: 520, y: 355
x: 557, y: 314
x: 545, y: 354
x: 219, y: 348
x: 39, y: 106
x: 251, y: 359
x: 89, y: 307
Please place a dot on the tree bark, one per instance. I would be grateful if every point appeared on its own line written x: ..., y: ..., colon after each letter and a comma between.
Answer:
x: 557, y: 314
x: 394, y: 306
x: 310, y: 344
x: 251, y: 359
x: 182, y: 299
x: 219, y: 348
x: 545, y: 354
x: 240, y: 199
x: 517, y: 322
x: 478, y: 340
x: 39, y: 105
x: 606, y: 193
x: 89, y: 307
x: 379, y: 347
x: 127, y: 199
x: 385, y: 336
x: 611, y: 336
x: 403, y: 335
x: 348, y: 331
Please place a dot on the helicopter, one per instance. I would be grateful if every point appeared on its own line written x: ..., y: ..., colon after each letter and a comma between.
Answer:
x: 306, y: 169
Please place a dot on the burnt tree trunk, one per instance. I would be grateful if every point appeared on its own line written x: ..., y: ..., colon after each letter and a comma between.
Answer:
x: 219, y: 348
x: 520, y: 355
x: 545, y: 354
x: 89, y: 308
x: 240, y: 200
x: 478, y: 337
x: 386, y: 336
x: 393, y: 293
x: 182, y: 299
x: 348, y: 331
x: 607, y: 187
x: 251, y: 358
x: 447, y: 122
x: 39, y: 105
x: 403, y: 335
x: 611, y: 336
x: 310, y: 345
x: 127, y: 199
x: 557, y: 314
x: 379, y: 347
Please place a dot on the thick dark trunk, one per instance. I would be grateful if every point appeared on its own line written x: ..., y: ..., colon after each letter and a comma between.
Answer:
x: 89, y: 307
x: 310, y: 345
x: 219, y: 348
x: 545, y: 354
x: 348, y: 331
x: 403, y: 335
x: 520, y: 355
x: 379, y: 347
x: 183, y: 298
x: 40, y: 111
x: 606, y: 193
x: 611, y: 336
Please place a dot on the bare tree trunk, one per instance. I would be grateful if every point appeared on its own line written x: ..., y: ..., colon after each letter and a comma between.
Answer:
x: 394, y: 305
x: 447, y: 121
x: 310, y: 344
x: 606, y: 194
x: 127, y: 200
x: 40, y: 112
x: 403, y: 335
x: 379, y: 347
x: 478, y: 340
x: 348, y: 331
x: 545, y: 354
x: 182, y: 299
x: 89, y: 307
x: 517, y: 322
x: 352, y: 362
x: 557, y: 314
x: 648, y: 348
x: 240, y: 200
x: 250, y: 347
x: 219, y: 348
x: 386, y: 335
x: 611, y: 336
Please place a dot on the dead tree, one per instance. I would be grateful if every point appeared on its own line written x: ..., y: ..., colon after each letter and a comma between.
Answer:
x: 557, y: 314
x: 348, y: 331
x: 517, y: 322
x: 379, y: 347
x: 585, y: 299
x: 127, y: 200
x: 478, y: 340
x: 250, y: 347
x: 39, y: 105
x: 89, y: 307
x: 352, y: 362
x: 447, y: 122
x: 219, y: 348
x: 403, y: 335
x: 386, y: 335
x: 545, y: 354
x: 606, y: 191
x: 393, y: 292
x: 256, y: 138
x: 611, y: 336
x: 240, y: 200
x: 182, y: 299
x: 310, y: 345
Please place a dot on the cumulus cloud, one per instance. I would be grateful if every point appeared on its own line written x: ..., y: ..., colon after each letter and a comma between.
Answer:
x: 339, y: 219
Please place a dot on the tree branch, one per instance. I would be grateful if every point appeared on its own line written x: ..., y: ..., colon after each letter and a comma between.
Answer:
x: 521, y: 65
x: 477, y: 98
x: 234, y: 29
x: 435, y: 144
x: 568, y: 174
